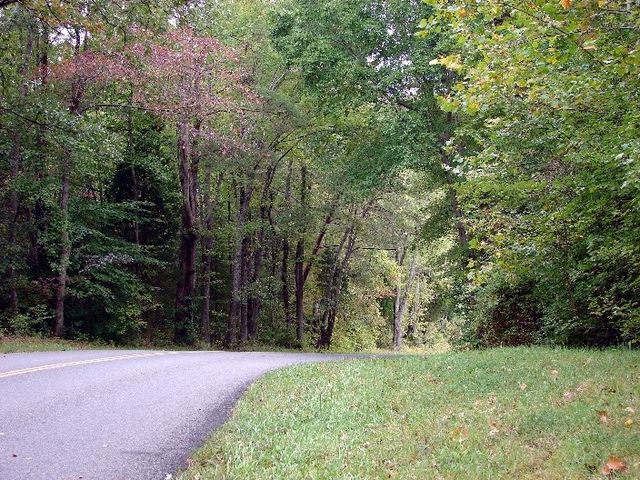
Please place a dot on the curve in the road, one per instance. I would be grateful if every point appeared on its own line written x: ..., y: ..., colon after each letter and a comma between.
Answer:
x: 112, y: 415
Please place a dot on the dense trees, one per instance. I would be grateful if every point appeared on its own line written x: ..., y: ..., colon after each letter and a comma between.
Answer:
x: 546, y: 160
x: 354, y: 174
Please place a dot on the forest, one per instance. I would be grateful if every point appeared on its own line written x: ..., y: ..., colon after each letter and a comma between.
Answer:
x: 327, y: 174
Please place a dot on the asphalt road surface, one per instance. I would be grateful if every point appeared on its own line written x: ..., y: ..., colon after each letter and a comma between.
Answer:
x: 118, y: 415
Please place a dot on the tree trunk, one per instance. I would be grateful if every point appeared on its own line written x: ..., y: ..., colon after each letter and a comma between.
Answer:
x: 284, y: 278
x: 463, y: 237
x: 401, y: 304
x: 415, y: 311
x: 254, y: 302
x: 284, y: 269
x: 184, y: 321
x: 37, y: 250
x: 236, y: 268
x: 210, y: 206
x: 333, y: 291
x: 15, y: 161
x: 299, y: 263
x: 134, y: 174
x: 318, y: 243
x: 65, y: 255
x: 244, y: 276
x: 65, y: 240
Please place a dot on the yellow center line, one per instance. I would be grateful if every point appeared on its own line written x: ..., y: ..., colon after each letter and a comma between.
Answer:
x: 54, y: 366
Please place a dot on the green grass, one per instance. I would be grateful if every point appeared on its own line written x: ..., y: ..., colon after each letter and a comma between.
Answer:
x: 13, y: 344
x: 525, y: 413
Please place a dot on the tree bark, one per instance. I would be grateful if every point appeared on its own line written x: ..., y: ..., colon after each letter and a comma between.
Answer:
x: 37, y: 253
x: 284, y: 278
x: 299, y: 263
x: 284, y: 269
x: 15, y: 161
x: 65, y: 255
x: 401, y: 304
x: 65, y: 240
x: 415, y: 310
x: 333, y: 289
x: 275, y: 240
x: 209, y: 206
x: 244, y: 197
x: 184, y: 328
x: 258, y: 253
x: 463, y: 237
x: 318, y: 243
x: 244, y: 279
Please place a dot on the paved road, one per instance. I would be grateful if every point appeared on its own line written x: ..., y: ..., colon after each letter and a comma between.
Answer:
x: 111, y: 415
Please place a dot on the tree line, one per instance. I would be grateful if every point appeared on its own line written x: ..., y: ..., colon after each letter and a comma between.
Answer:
x: 355, y: 174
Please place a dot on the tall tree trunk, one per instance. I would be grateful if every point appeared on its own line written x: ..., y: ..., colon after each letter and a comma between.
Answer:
x: 284, y: 269
x: 184, y: 328
x: 463, y: 237
x: 134, y: 175
x: 299, y: 263
x: 65, y: 255
x: 37, y: 249
x: 254, y: 300
x: 333, y: 289
x: 209, y: 204
x: 415, y: 310
x: 401, y: 304
x: 244, y: 278
x: 244, y: 198
x: 15, y: 161
x: 284, y: 278
x: 258, y: 253
x: 65, y: 240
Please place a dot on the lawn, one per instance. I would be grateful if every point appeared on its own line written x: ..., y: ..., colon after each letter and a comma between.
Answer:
x: 524, y: 413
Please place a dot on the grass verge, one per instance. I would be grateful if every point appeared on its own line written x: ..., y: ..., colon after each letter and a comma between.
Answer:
x: 524, y: 413
x: 14, y: 344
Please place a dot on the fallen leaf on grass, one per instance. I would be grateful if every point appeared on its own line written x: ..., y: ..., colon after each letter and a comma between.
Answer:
x: 459, y: 433
x: 603, y: 415
x: 554, y: 374
x: 630, y: 410
x: 614, y: 465
x: 628, y: 423
x: 493, y: 429
x: 571, y: 394
x: 523, y: 386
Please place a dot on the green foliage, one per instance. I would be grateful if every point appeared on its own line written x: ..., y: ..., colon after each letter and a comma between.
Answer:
x: 34, y: 321
x: 496, y: 143
x: 548, y: 153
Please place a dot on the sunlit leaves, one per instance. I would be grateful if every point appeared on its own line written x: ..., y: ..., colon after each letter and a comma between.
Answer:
x: 452, y: 62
